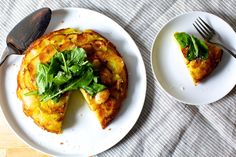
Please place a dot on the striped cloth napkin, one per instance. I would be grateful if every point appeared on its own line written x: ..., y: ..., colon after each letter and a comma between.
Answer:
x: 165, y: 127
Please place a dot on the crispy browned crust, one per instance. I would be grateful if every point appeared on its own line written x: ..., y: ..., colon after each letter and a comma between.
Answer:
x: 201, y: 68
x: 102, y: 53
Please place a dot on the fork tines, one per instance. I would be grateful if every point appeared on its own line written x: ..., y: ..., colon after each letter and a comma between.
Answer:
x: 203, y: 28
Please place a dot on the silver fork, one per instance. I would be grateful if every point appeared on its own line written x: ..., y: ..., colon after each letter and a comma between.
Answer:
x: 209, y: 34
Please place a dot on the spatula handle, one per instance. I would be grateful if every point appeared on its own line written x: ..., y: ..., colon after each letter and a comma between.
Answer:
x: 7, y: 52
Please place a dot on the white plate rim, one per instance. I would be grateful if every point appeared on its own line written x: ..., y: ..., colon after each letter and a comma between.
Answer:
x: 31, y: 144
x: 152, y: 60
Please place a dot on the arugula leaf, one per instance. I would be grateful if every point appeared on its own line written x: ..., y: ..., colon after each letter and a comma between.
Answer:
x: 54, y: 65
x: 61, y: 78
x: 64, y: 67
x: 34, y: 92
x: 66, y: 71
x: 42, y: 78
x: 76, y: 55
x: 203, y: 49
x: 183, y: 39
x: 98, y: 87
x: 50, y: 94
x: 76, y: 69
x: 85, y: 80
x: 197, y: 48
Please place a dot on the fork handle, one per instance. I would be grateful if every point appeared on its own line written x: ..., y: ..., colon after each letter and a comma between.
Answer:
x: 226, y: 49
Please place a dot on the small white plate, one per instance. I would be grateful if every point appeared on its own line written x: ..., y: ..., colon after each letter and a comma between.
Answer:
x: 82, y: 134
x: 170, y: 69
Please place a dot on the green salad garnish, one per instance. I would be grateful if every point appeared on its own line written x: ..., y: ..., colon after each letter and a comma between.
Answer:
x: 197, y: 48
x: 66, y: 71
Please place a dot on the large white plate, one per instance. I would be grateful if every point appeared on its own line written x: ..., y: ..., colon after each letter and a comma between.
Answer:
x: 82, y: 134
x: 170, y: 69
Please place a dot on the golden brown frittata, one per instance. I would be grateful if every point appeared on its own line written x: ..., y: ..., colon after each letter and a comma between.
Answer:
x: 200, y: 56
x: 199, y: 68
x: 104, y: 57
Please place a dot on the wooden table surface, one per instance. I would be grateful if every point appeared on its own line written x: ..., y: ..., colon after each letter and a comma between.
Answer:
x: 13, y: 146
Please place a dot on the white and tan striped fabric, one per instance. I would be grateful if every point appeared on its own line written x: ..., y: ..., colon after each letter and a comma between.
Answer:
x: 165, y: 127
